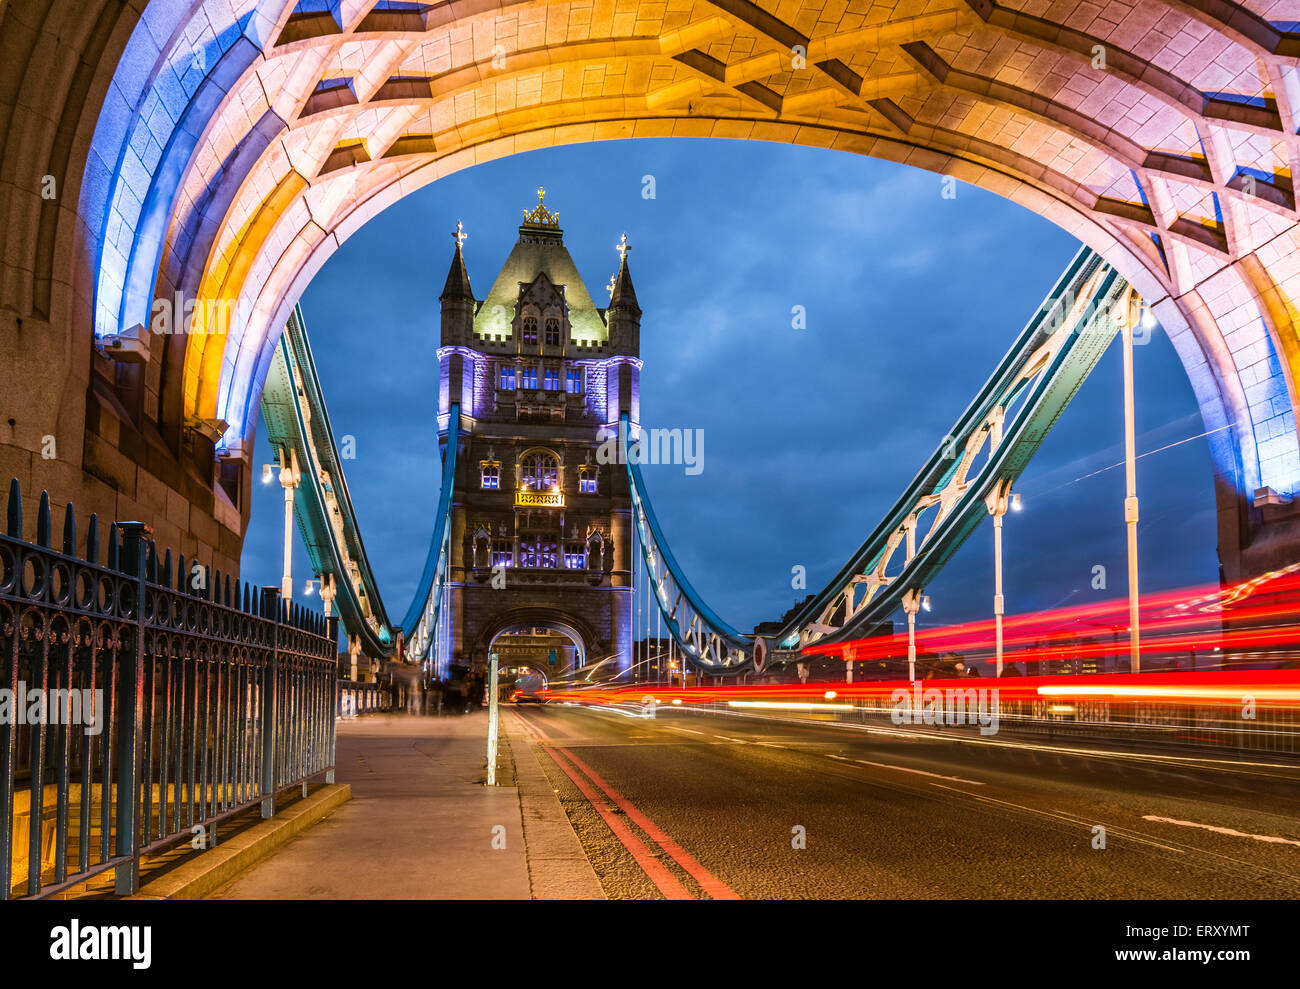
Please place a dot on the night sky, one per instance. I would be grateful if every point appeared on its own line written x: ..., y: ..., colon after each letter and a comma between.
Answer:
x: 810, y: 434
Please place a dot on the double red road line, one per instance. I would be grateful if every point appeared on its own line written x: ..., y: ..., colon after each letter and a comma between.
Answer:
x: 588, y: 781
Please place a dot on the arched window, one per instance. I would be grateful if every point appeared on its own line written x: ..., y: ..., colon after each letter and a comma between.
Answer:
x: 491, y: 477
x: 482, y: 547
x: 538, y: 553
x: 587, y: 479
x: 552, y: 332
x: 539, y: 471
x: 530, y: 329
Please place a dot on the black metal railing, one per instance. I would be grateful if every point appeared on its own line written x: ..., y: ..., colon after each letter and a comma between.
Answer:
x: 171, y: 699
x: 356, y: 698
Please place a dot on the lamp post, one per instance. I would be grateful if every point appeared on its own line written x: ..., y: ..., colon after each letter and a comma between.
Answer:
x: 1131, y: 313
x: 913, y: 600
x: 998, y: 501
x: 289, y: 479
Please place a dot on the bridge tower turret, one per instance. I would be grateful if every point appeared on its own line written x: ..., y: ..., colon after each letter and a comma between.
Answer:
x: 623, y: 317
x: 457, y: 299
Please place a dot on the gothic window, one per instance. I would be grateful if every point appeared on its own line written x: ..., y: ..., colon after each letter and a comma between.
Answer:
x: 481, y: 547
x: 573, y: 381
x: 491, y: 477
x: 552, y: 332
x: 528, y: 378
x: 551, y: 379
x: 575, y: 556
x: 595, y: 551
x: 537, y: 553
x: 587, y: 480
x: 530, y: 329
x: 503, y: 553
x: 506, y: 381
x: 540, y: 471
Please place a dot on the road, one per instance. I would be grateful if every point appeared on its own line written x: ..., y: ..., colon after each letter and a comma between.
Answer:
x: 696, y: 806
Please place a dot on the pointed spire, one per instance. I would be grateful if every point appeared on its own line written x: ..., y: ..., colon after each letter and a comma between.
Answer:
x: 14, y: 526
x: 69, y: 530
x: 457, y: 285
x: 43, y: 521
x: 622, y: 295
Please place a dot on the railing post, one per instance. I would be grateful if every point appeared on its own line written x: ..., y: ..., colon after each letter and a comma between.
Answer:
x: 271, y: 608
x: 492, y: 723
x: 332, y: 701
x: 130, y: 713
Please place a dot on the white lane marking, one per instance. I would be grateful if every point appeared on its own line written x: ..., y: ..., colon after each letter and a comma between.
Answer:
x: 919, y: 772
x: 769, y: 745
x: 1271, y: 839
x: 918, y: 735
x: 738, y: 741
x: 691, y: 730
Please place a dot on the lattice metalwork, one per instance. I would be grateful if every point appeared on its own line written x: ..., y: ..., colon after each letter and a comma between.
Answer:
x: 990, y: 445
x: 198, y: 697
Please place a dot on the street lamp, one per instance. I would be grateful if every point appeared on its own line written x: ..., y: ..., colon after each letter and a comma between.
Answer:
x: 999, y: 499
x: 1130, y: 315
x: 289, y: 479
x: 326, y: 584
x: 912, y: 601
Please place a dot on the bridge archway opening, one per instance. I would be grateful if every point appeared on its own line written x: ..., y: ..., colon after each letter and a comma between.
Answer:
x: 220, y: 157
x: 534, y: 642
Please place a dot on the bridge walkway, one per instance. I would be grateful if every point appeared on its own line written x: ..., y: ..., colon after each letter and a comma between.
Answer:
x: 421, y: 824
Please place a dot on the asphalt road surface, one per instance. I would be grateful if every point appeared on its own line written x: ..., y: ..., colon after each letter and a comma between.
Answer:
x: 693, y: 806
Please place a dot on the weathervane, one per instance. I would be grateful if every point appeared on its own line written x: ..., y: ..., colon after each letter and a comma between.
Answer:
x: 460, y: 235
x: 622, y: 248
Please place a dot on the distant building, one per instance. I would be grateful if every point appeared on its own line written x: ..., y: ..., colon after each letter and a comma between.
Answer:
x: 540, y: 526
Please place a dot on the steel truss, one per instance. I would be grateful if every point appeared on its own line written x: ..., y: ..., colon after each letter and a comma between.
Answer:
x: 986, y: 450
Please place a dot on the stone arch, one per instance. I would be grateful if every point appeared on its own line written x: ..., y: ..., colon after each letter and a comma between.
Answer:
x: 575, y: 628
x: 227, y: 150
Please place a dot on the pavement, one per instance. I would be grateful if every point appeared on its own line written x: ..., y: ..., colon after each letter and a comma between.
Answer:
x: 422, y: 824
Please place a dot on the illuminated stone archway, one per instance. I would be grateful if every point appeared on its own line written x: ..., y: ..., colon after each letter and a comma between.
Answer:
x: 221, y: 151
x: 571, y: 627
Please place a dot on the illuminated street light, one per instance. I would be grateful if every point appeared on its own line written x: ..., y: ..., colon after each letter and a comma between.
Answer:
x: 999, y: 499
x: 289, y: 480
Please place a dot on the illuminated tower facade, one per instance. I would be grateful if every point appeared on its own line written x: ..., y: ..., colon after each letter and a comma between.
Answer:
x: 540, y: 528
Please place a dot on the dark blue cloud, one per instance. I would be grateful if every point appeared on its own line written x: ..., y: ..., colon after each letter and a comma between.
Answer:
x: 810, y: 434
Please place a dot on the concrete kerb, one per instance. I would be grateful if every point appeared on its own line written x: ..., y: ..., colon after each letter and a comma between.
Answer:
x: 558, y: 868
x: 208, y: 871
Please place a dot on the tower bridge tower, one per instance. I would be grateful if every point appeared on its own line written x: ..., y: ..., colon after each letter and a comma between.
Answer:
x: 541, y: 537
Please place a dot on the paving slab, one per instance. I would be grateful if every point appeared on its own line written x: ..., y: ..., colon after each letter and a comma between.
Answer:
x: 421, y: 824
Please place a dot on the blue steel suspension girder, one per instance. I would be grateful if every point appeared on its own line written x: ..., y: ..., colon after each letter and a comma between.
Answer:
x: 1050, y: 359
x: 292, y: 382
x: 421, y: 621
